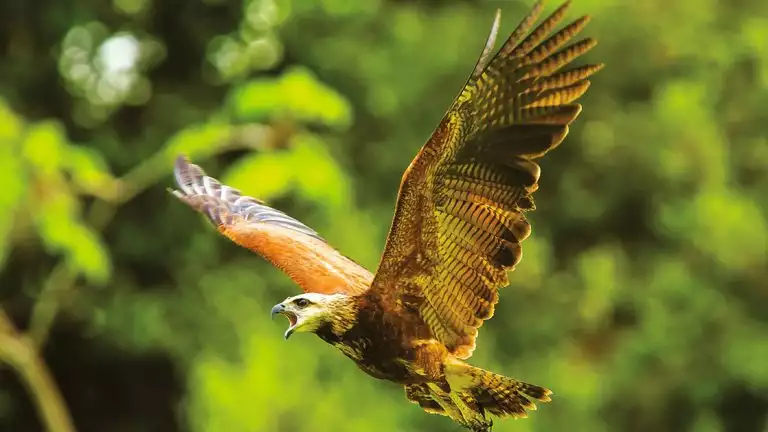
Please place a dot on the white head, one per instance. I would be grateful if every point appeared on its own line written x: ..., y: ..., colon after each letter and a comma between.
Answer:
x: 309, y: 311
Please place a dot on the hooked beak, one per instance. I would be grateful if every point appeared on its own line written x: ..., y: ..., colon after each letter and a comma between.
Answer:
x: 292, y: 318
x: 279, y: 308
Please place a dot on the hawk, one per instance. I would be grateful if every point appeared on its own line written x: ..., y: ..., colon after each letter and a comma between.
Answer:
x: 457, y: 230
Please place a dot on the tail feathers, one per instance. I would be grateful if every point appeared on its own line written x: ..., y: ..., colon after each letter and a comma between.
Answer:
x: 502, y: 396
x: 472, y: 394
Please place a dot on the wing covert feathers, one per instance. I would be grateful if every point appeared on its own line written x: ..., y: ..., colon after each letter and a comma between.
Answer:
x: 460, y: 215
x: 287, y: 243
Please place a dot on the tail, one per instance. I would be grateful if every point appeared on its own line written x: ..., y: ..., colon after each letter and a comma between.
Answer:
x: 494, y: 393
x: 502, y: 396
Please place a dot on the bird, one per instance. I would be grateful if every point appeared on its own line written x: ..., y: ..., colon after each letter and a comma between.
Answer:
x: 456, y: 233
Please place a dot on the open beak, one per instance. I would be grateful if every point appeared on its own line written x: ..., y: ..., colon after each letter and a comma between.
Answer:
x: 292, y: 319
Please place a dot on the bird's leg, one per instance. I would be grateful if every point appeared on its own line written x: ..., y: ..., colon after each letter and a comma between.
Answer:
x: 473, y: 414
x: 483, y: 427
x: 429, y: 359
x: 445, y: 401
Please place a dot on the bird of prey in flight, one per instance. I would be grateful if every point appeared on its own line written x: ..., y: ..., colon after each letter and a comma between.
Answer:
x: 457, y: 231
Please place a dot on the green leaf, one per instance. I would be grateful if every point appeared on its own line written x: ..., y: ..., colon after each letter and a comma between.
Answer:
x: 13, y: 181
x: 328, y: 183
x: 271, y: 173
x: 89, y: 171
x: 198, y: 141
x: 725, y: 225
x: 43, y: 147
x: 11, y: 125
x: 62, y: 231
x: 297, y: 94
x: 600, y: 269
x: 262, y: 175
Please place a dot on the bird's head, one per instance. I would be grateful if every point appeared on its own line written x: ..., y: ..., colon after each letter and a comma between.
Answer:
x: 309, y: 311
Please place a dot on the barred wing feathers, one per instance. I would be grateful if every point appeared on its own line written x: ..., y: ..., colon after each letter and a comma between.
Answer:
x: 287, y: 243
x: 460, y: 213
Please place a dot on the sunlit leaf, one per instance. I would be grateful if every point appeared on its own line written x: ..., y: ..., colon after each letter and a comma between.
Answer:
x: 296, y: 94
x: 198, y: 141
x: 725, y: 225
x: 43, y: 147
x: 89, y: 171
x: 263, y: 175
x: 600, y: 269
x: 63, y: 232
x: 11, y: 125
x: 13, y: 182
x: 328, y: 183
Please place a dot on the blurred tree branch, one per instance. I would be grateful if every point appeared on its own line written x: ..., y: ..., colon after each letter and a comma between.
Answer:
x: 22, y: 351
x: 19, y: 352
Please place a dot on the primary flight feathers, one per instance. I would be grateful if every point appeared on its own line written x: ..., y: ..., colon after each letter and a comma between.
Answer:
x: 459, y: 219
x: 287, y: 243
x: 458, y: 223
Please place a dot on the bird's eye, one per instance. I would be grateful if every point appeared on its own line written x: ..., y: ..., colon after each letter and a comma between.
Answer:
x: 301, y: 302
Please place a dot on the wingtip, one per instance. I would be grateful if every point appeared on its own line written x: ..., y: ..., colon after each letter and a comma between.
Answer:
x: 186, y: 174
x: 539, y: 5
x: 496, y: 22
x: 583, y: 20
x: 179, y: 165
x: 564, y: 5
x: 181, y: 159
x: 547, y: 396
x: 490, y: 44
x: 494, y: 28
x: 590, y: 43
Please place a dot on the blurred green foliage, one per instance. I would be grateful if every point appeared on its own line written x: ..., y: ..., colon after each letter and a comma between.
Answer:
x: 642, y: 300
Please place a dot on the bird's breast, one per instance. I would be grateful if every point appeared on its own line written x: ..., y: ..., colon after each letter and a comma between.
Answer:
x: 378, y: 350
x: 377, y: 357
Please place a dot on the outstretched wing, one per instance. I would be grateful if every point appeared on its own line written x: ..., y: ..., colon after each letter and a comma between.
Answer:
x: 287, y: 243
x: 460, y: 215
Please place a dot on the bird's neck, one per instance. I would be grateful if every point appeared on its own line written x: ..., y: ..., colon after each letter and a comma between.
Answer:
x: 342, y: 317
